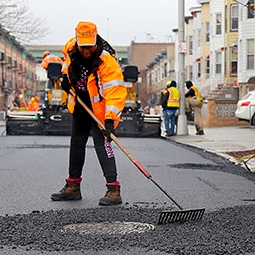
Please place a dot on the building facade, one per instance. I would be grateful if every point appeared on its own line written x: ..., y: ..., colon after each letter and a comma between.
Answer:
x: 18, y: 70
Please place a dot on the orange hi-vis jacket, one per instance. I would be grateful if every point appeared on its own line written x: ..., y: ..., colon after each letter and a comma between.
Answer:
x: 198, y: 95
x: 174, y: 97
x: 51, y: 59
x: 111, y: 87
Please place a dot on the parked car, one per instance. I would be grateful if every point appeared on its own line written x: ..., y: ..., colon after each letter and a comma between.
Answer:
x: 246, y: 108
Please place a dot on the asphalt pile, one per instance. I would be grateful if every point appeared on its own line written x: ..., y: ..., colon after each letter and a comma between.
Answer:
x: 41, y: 232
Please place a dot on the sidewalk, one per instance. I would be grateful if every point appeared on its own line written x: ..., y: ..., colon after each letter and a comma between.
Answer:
x: 238, y: 141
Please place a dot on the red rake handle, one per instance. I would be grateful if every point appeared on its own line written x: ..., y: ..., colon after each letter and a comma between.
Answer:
x: 114, y: 138
x: 121, y: 146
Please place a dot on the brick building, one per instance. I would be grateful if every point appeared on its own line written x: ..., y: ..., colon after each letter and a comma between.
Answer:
x: 140, y: 54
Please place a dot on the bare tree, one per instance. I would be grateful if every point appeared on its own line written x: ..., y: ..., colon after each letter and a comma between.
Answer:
x: 16, y: 18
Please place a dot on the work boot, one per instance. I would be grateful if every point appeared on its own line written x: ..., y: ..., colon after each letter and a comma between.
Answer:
x: 112, y: 196
x: 71, y: 191
x: 200, y: 132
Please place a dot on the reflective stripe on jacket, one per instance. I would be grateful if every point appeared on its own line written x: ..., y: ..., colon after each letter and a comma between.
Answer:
x: 174, y: 97
x: 111, y: 88
x: 51, y: 59
x: 198, y: 95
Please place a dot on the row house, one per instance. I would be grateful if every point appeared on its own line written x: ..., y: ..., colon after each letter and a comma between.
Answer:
x: 220, y: 48
x: 18, y: 70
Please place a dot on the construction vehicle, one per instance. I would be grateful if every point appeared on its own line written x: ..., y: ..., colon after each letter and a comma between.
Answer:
x: 53, y: 117
x: 133, y: 122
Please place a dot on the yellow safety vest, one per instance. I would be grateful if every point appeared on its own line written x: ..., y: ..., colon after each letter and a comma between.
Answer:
x: 198, y: 95
x: 174, y: 97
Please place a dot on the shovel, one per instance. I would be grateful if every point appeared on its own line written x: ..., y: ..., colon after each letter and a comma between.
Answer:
x: 166, y: 216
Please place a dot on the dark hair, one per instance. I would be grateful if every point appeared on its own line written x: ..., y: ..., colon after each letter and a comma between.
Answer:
x: 189, y: 84
x: 77, y: 61
x: 173, y: 84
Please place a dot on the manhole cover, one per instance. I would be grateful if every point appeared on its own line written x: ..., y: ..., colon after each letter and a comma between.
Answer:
x: 110, y: 228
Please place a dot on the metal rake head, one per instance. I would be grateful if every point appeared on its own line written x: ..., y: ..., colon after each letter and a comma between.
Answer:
x: 169, y: 216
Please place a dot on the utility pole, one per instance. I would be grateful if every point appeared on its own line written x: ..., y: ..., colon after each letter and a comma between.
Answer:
x: 182, y: 127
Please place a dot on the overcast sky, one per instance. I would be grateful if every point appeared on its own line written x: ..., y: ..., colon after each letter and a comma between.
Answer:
x: 118, y: 21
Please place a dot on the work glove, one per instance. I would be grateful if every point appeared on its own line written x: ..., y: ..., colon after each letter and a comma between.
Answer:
x: 65, y: 84
x: 109, y: 128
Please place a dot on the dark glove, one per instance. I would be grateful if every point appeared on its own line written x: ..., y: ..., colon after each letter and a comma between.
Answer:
x: 65, y: 84
x: 109, y: 128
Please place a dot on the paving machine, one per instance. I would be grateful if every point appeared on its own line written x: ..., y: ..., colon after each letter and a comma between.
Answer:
x: 53, y: 117
x: 133, y: 122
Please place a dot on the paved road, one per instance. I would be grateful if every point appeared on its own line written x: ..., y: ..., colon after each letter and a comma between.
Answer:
x: 34, y: 167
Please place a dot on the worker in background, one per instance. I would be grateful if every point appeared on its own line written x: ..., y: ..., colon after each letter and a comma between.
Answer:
x: 33, y: 104
x: 194, y: 98
x: 95, y: 76
x: 50, y: 58
x: 16, y: 101
x: 170, y: 103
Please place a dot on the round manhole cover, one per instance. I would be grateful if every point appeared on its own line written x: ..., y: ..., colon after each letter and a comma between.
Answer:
x: 110, y: 228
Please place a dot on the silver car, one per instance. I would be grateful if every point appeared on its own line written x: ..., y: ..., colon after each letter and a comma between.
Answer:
x: 246, y: 108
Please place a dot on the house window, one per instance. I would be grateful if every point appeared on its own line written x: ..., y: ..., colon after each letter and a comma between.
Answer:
x: 218, y: 62
x: 207, y: 67
x: 250, y: 54
x: 218, y: 23
x: 234, y: 17
x: 207, y: 33
x: 233, y: 60
x: 198, y: 37
x: 165, y: 69
x: 198, y: 69
x: 190, y: 44
x: 190, y: 72
x: 250, y: 15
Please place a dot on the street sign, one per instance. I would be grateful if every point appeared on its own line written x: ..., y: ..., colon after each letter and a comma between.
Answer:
x: 182, y: 47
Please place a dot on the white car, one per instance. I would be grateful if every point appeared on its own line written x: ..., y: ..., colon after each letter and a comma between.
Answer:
x: 246, y: 108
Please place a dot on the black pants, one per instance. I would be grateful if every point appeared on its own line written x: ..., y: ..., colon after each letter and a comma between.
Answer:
x: 82, y: 125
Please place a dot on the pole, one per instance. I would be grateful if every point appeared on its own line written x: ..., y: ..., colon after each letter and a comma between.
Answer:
x: 182, y: 127
x: 108, y: 29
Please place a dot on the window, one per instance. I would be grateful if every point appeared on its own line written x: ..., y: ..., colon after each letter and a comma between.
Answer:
x: 226, y: 18
x: 207, y: 32
x: 250, y: 54
x: 249, y: 14
x: 218, y: 63
x: 190, y: 72
x: 190, y: 44
x: 233, y: 60
x: 218, y: 23
x: 165, y: 69
x: 207, y: 67
x: 169, y: 66
x: 234, y: 17
x: 198, y: 69
x: 198, y: 37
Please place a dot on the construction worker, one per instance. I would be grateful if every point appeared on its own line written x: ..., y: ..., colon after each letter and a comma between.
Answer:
x: 170, y: 103
x: 33, y: 104
x: 95, y: 76
x: 47, y: 58
x: 194, y: 98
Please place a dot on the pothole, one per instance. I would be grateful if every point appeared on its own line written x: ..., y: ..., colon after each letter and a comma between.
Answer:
x: 108, y: 228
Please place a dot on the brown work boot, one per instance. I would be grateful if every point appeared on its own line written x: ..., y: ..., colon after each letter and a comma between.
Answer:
x: 71, y: 191
x: 200, y: 132
x: 112, y: 196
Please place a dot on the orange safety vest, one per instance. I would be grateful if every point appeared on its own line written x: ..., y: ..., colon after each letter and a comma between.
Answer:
x: 33, y: 106
x: 51, y: 59
x: 174, y: 97
x: 198, y: 95
x: 111, y: 87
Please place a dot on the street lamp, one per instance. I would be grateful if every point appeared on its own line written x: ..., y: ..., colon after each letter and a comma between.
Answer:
x: 182, y: 127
